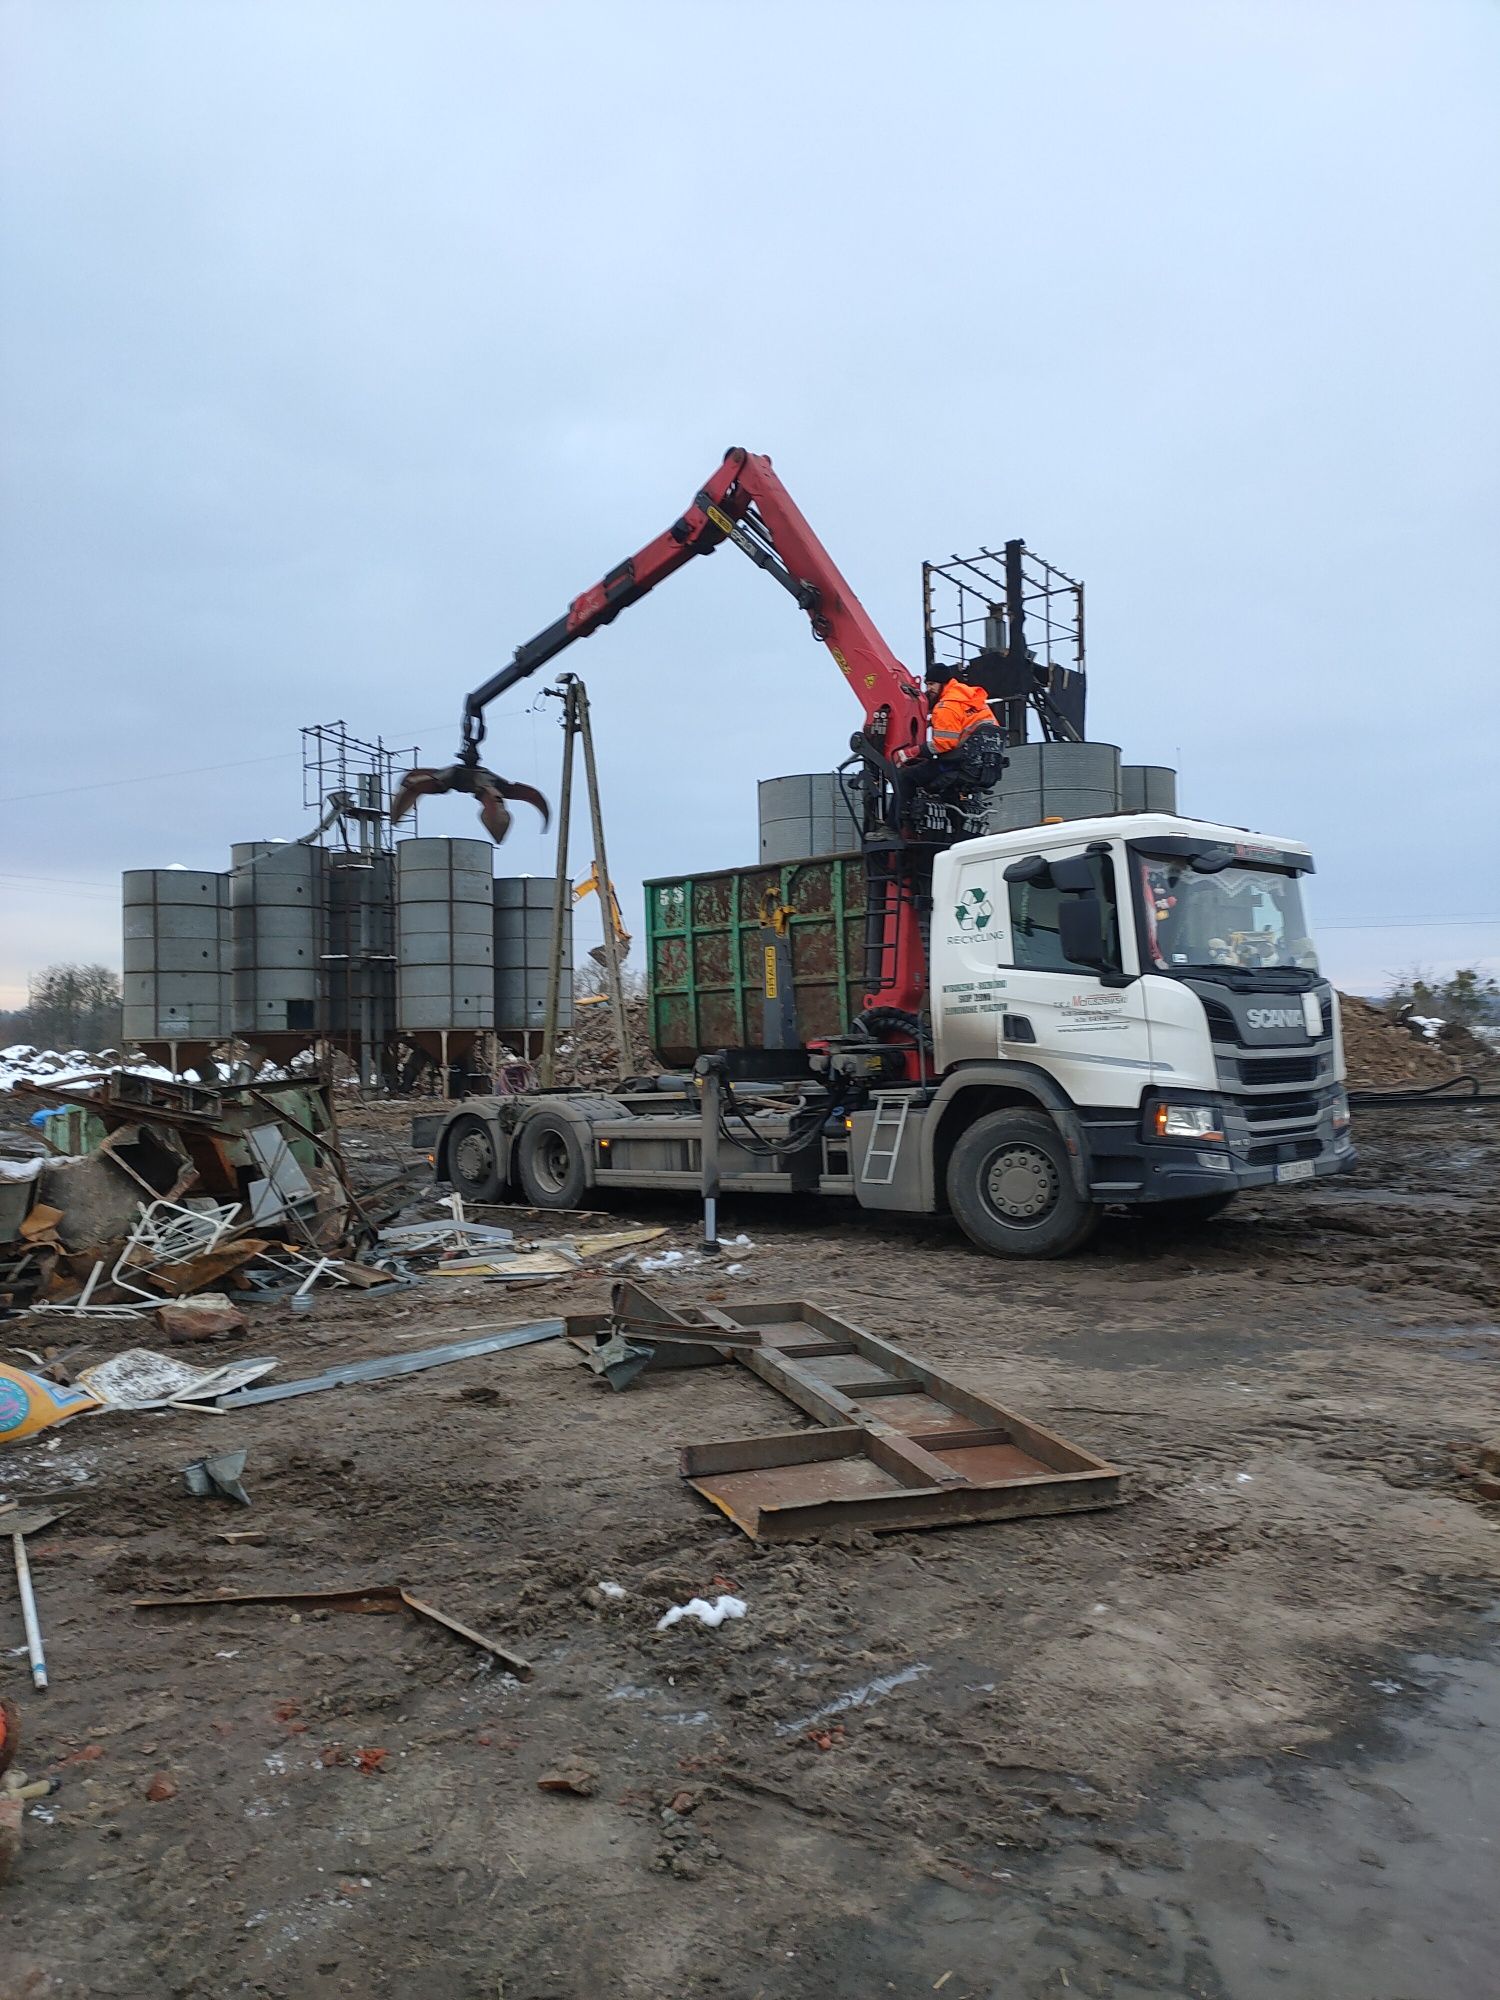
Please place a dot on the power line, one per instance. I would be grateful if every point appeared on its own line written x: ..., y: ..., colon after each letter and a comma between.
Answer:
x: 145, y: 778
x: 197, y: 770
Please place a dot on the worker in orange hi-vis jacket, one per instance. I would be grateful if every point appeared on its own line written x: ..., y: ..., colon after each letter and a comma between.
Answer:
x: 965, y: 743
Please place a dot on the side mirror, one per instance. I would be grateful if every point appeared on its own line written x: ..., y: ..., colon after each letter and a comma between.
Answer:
x: 1030, y: 868
x: 1080, y: 929
x: 1077, y: 873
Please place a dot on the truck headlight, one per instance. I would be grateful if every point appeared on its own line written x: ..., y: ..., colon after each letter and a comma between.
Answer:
x: 1188, y: 1121
x: 1341, y: 1112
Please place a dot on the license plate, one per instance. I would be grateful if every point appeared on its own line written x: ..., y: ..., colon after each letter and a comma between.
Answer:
x: 1295, y: 1170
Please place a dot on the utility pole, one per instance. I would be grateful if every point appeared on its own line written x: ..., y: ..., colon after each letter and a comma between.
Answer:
x: 560, y: 888
x: 577, y: 728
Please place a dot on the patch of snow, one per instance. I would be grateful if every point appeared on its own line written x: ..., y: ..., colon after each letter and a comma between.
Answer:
x: 1430, y: 1025
x: 23, y: 1064
x: 704, y: 1612
x: 611, y: 1589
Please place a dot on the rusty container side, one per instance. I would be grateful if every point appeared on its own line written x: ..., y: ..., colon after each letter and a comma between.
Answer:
x: 706, y: 962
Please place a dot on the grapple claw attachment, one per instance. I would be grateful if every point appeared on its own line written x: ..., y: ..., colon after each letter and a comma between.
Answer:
x: 490, y: 790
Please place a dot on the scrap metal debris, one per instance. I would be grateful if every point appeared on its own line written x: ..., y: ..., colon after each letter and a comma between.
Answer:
x: 217, y: 1474
x: 171, y: 1188
x: 140, y: 1379
x: 383, y: 1366
x: 901, y: 1447
x: 353, y: 1597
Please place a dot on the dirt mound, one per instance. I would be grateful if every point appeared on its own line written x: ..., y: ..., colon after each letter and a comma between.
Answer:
x: 1381, y: 1054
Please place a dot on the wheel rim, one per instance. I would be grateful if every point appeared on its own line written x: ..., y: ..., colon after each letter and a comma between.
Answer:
x: 551, y: 1162
x: 473, y: 1158
x: 1022, y: 1184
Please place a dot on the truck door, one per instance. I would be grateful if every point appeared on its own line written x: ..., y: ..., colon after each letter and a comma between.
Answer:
x: 1091, y: 1037
x: 968, y: 964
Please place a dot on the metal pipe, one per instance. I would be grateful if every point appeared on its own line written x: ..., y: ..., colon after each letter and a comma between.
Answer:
x: 708, y: 1148
x: 28, y: 1612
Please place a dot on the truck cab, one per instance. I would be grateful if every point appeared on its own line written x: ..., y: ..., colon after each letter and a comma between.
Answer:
x: 1148, y: 983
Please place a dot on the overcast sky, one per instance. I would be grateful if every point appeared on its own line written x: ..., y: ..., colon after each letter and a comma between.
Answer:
x: 342, y: 344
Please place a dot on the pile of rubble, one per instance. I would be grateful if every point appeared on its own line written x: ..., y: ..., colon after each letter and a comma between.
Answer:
x: 586, y: 1056
x: 1384, y: 1053
x: 131, y: 1190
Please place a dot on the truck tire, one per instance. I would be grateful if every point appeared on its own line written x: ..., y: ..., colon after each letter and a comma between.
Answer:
x: 472, y: 1160
x: 1010, y: 1187
x: 550, y: 1162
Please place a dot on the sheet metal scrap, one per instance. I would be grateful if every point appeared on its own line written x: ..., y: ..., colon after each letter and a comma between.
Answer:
x: 376, y: 1597
x: 641, y: 1331
x: 381, y: 1367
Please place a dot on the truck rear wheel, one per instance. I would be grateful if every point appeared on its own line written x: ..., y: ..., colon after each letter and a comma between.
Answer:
x: 1010, y: 1187
x: 550, y: 1162
x: 472, y: 1163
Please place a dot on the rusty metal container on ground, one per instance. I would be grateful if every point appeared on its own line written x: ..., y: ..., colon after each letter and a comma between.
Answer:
x: 176, y: 961
x: 523, y: 953
x: 445, y: 942
x: 706, y: 952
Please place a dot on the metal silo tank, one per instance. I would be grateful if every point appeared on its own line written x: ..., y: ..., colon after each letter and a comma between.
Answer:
x: 806, y: 814
x: 176, y: 983
x: 523, y: 951
x: 1080, y: 780
x: 445, y: 944
x: 278, y: 903
x: 1045, y: 781
x: 1148, y: 788
x: 1017, y: 799
x: 359, y: 959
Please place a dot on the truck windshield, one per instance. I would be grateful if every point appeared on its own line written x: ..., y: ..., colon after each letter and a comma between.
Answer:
x: 1246, y: 917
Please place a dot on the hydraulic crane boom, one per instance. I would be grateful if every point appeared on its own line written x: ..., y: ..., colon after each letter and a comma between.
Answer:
x: 743, y: 502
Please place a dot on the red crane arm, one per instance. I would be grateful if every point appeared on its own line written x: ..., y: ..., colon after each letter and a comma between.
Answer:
x: 743, y: 502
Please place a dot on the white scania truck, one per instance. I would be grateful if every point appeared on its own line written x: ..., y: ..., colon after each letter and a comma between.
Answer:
x: 1121, y: 1012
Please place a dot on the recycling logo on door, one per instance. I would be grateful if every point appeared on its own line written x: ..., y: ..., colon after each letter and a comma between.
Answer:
x: 975, y: 911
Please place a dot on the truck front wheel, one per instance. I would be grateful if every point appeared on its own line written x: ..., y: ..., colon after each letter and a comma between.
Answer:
x: 1010, y: 1187
x: 550, y: 1162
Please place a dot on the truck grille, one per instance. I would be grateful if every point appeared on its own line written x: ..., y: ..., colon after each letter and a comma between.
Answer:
x: 1280, y: 1069
x: 1264, y: 1111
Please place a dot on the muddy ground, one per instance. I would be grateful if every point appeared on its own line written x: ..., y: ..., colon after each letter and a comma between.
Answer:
x: 1228, y: 1739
